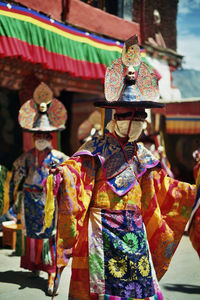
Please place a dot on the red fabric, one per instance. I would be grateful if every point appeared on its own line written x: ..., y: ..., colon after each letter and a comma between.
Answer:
x: 186, y: 108
x: 39, y: 250
x: 38, y: 264
x: 13, y: 47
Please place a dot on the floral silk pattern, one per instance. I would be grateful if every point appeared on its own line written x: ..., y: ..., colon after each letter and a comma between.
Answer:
x: 121, y: 263
x: 160, y: 204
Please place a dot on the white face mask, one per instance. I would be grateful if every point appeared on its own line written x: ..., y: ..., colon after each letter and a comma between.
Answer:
x: 42, y: 144
x: 121, y: 129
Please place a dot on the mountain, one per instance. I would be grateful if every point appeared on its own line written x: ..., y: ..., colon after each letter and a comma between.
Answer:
x: 188, y: 82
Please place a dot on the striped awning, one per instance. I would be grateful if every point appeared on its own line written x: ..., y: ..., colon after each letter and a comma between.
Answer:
x: 36, y: 38
x: 41, y: 40
x: 182, y: 124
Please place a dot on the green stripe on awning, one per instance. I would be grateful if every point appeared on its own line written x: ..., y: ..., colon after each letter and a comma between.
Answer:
x: 54, y: 42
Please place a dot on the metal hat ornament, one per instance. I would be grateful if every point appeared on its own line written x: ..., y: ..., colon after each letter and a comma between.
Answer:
x: 43, y: 112
x: 129, y: 81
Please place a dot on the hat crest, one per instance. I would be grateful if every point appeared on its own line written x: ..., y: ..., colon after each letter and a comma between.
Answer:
x: 129, y: 81
x: 42, y: 112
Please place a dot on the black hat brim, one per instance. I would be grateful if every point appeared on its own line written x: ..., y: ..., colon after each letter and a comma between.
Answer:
x: 39, y: 130
x: 142, y: 104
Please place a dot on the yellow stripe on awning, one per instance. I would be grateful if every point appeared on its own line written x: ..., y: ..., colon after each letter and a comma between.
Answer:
x: 182, y: 124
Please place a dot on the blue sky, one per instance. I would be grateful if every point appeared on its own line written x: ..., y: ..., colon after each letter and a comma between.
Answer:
x: 188, y: 33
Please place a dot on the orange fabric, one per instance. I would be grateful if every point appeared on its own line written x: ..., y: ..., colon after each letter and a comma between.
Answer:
x: 166, y: 205
x: 77, y: 188
x: 166, y: 209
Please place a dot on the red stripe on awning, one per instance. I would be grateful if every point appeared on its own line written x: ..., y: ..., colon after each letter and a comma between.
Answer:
x: 35, y: 54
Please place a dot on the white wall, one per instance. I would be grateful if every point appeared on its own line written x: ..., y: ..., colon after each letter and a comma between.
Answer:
x: 166, y: 91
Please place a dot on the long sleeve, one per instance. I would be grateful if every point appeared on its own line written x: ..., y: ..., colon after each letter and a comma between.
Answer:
x: 167, y: 205
x: 75, y: 196
x: 18, y: 176
x: 194, y: 226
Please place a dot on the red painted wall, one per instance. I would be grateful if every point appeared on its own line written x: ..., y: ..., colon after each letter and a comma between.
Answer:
x: 85, y: 17
x: 184, y: 108
x: 97, y: 20
x: 168, y: 13
x: 51, y: 8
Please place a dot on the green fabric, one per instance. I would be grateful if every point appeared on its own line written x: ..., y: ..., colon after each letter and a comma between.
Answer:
x: 46, y: 254
x: 54, y: 42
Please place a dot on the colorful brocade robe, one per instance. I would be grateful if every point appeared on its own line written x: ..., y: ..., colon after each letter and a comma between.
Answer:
x: 5, y: 176
x: 37, y: 250
x: 121, y: 217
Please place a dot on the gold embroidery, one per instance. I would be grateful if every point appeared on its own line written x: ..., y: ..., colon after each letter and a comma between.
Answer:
x: 119, y: 181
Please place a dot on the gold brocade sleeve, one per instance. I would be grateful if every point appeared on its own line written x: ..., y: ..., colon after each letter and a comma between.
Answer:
x: 166, y: 207
x: 74, y: 200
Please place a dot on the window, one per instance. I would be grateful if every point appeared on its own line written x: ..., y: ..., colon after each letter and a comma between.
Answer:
x: 125, y: 9
x: 120, y: 8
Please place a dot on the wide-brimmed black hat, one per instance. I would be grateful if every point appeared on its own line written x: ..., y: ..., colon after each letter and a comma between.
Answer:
x: 129, y: 81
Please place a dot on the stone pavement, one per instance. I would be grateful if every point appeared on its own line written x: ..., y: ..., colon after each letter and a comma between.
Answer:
x: 16, y: 283
x: 181, y: 282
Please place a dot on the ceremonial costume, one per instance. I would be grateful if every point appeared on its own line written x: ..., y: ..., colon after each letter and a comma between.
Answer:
x: 38, y: 252
x: 104, y: 217
x: 41, y: 115
x: 120, y: 216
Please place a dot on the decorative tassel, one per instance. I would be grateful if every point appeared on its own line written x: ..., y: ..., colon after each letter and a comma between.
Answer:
x: 49, y: 204
x: 46, y: 253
